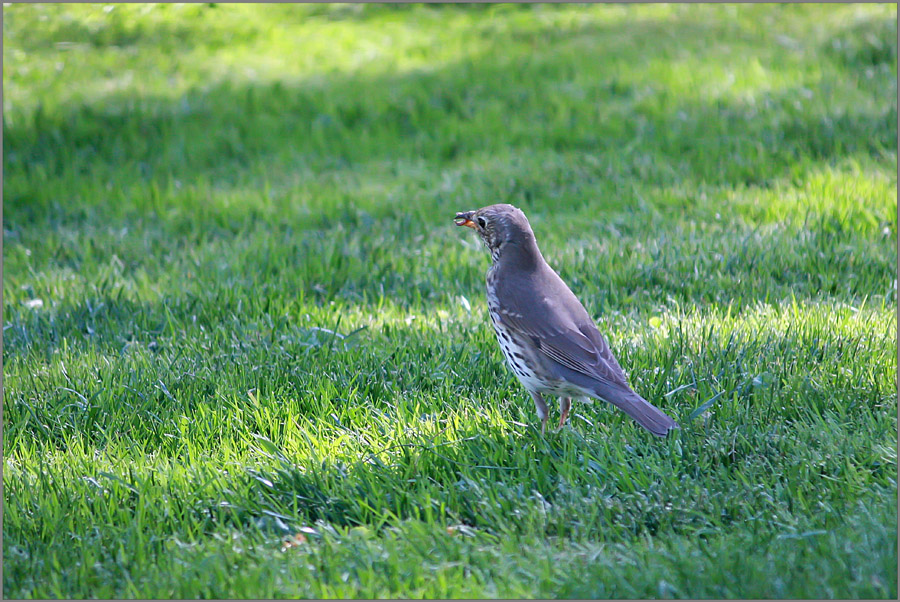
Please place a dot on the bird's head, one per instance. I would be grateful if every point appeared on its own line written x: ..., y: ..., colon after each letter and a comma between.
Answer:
x: 501, y: 228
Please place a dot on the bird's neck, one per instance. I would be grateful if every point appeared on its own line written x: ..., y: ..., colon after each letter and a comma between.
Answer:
x: 524, y: 255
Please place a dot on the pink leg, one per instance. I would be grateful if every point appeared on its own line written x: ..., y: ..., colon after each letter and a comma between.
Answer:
x: 565, y: 403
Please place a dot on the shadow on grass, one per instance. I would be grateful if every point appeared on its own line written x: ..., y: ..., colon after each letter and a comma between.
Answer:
x: 229, y: 133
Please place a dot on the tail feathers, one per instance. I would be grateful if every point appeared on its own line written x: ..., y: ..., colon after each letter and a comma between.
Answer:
x: 643, y: 412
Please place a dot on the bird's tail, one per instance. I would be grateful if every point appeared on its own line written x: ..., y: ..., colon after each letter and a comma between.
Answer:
x: 642, y: 411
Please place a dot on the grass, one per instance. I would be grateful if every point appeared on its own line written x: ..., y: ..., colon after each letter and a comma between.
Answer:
x: 245, y: 350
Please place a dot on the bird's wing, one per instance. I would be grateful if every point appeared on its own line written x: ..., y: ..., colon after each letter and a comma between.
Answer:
x: 557, y: 324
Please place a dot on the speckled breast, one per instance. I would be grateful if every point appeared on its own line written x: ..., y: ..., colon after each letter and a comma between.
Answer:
x: 519, y: 353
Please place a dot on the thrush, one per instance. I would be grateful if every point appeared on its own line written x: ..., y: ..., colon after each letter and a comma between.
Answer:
x: 547, y: 336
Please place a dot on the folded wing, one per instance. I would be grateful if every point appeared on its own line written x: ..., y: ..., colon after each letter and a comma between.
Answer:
x: 559, y: 325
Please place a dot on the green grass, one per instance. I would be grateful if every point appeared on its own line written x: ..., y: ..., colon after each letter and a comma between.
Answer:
x: 257, y: 319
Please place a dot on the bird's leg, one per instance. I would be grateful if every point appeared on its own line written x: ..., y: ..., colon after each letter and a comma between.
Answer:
x: 565, y: 403
x: 541, y: 407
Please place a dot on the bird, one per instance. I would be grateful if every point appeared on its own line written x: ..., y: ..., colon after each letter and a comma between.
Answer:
x: 547, y: 336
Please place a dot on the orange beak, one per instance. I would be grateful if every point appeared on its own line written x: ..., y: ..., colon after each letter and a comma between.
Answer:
x: 464, y: 218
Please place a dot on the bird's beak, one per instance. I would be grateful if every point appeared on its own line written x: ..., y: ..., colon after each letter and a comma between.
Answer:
x: 464, y: 218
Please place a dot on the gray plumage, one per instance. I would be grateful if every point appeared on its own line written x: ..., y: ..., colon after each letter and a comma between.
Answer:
x: 547, y: 336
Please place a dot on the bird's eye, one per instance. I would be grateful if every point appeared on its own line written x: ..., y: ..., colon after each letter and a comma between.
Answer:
x: 481, y: 222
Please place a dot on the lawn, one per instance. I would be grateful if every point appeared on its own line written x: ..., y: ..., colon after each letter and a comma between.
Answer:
x: 246, y: 352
